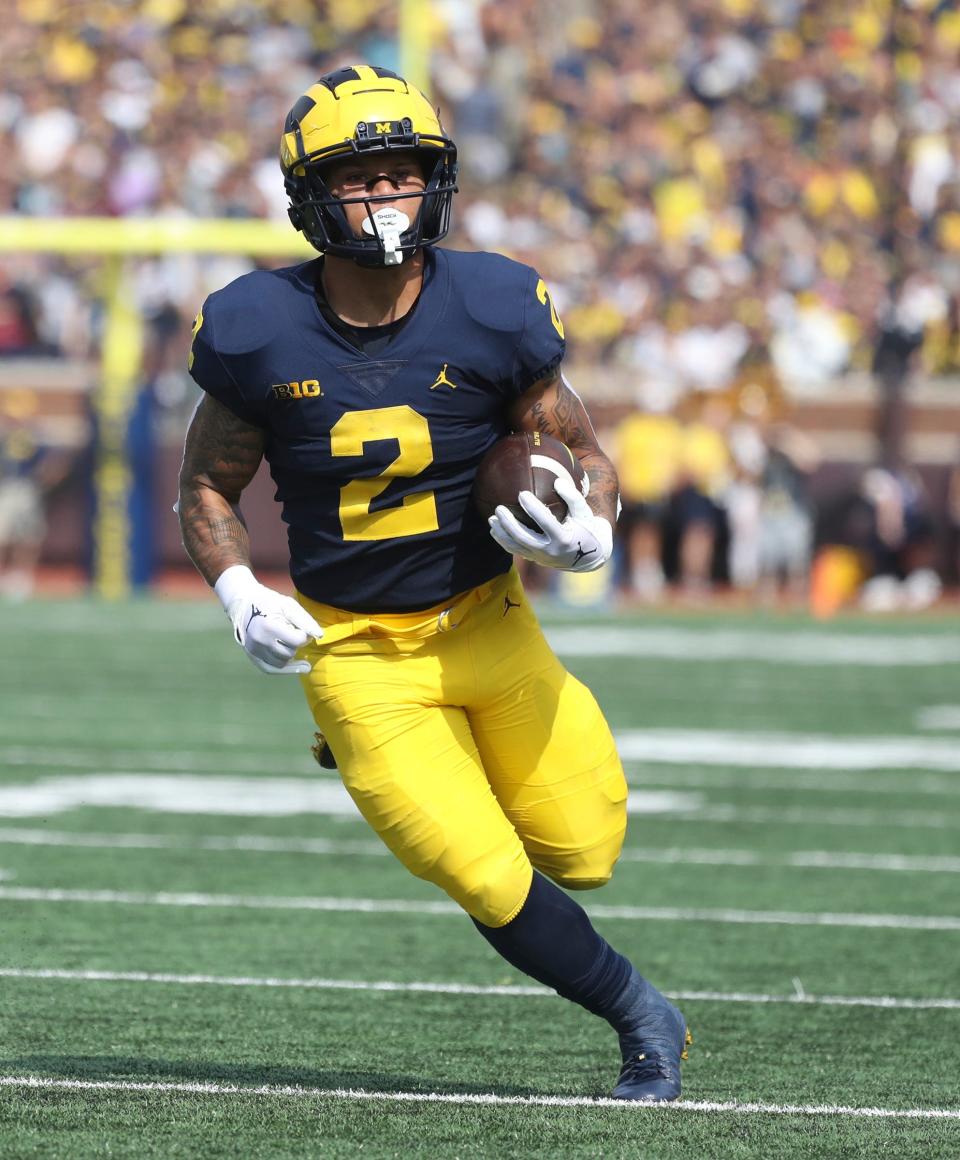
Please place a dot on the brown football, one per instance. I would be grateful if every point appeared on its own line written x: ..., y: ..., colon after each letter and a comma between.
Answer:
x: 510, y: 466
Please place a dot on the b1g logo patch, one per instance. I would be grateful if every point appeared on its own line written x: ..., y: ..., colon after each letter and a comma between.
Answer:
x: 305, y: 389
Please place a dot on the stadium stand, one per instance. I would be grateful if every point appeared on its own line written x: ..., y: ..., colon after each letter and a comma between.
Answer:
x: 706, y: 188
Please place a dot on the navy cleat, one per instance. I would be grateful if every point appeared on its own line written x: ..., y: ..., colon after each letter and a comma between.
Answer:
x: 652, y: 1052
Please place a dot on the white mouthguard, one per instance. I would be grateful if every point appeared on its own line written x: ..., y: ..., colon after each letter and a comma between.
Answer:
x: 388, y: 224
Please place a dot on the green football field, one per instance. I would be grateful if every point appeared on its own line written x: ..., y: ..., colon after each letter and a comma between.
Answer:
x: 205, y: 953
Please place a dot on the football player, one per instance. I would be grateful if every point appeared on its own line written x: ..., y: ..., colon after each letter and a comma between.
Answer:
x: 373, y: 379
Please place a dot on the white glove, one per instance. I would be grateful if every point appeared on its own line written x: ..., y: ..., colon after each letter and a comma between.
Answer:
x: 269, y: 626
x: 582, y: 543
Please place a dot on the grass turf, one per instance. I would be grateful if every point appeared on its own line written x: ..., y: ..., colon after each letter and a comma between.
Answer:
x: 143, y: 687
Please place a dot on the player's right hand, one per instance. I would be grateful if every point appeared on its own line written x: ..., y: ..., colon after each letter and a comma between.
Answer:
x: 269, y: 626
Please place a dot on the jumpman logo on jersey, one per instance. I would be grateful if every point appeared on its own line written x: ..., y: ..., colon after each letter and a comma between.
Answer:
x: 442, y: 380
x: 508, y: 604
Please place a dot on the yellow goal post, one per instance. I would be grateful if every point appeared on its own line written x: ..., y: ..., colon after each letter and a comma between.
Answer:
x: 116, y: 241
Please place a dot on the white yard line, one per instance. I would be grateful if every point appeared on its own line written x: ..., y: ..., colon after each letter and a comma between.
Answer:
x: 724, y: 812
x: 865, y: 785
x: 187, y: 793
x: 676, y: 855
x: 805, y: 999
x: 281, y: 797
x: 183, y: 793
x: 445, y: 908
x: 824, y: 859
x: 780, y: 648
x: 805, y: 859
x: 485, y: 1099
x: 886, y: 1002
x: 696, y: 747
x: 938, y: 717
x: 782, y: 750
x: 194, y: 980
x: 274, y: 762
x: 248, y: 843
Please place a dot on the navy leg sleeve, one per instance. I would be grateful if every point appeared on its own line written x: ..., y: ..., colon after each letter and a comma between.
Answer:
x: 553, y: 941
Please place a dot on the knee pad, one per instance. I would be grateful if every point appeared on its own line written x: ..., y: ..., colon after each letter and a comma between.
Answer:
x: 581, y: 869
x: 491, y: 889
x: 570, y: 882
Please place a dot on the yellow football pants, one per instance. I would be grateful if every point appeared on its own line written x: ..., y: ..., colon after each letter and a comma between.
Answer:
x: 469, y: 748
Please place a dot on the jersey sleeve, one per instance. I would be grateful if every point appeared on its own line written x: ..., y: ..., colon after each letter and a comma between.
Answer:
x: 542, y: 343
x: 208, y: 370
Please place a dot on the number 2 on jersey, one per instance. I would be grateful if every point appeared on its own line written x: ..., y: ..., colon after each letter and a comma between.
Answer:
x: 543, y: 295
x: 414, y: 514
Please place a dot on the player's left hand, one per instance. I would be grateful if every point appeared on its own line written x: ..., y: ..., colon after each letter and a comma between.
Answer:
x: 583, y: 542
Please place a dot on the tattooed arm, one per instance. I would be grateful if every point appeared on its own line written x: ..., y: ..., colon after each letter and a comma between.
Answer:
x: 552, y: 407
x: 221, y: 456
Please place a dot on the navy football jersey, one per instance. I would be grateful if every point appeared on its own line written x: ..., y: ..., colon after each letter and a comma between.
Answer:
x: 374, y: 457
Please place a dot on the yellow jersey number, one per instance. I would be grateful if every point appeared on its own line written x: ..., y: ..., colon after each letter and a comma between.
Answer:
x: 197, y: 323
x: 543, y: 297
x: 416, y: 513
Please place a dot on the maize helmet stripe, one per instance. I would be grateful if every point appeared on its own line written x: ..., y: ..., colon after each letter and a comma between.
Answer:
x: 364, y: 109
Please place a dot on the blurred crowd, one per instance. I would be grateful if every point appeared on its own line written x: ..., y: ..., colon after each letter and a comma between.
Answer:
x: 695, y: 181
x: 704, y: 180
x: 721, y: 492
x: 29, y: 471
x: 707, y: 187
